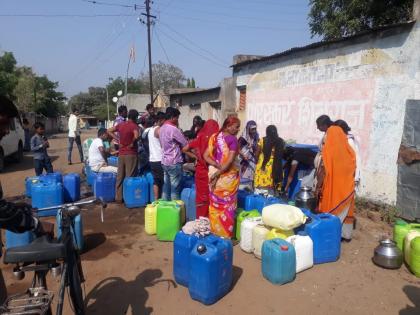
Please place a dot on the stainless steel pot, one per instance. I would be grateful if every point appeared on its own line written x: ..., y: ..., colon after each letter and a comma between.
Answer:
x: 388, y: 255
x: 306, y: 199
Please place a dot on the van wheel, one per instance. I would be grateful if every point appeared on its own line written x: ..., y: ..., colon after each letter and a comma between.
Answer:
x: 1, y: 160
x: 18, y: 155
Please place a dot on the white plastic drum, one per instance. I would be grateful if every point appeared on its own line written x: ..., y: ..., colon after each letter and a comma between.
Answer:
x: 247, y: 226
x: 304, y: 248
x: 258, y: 237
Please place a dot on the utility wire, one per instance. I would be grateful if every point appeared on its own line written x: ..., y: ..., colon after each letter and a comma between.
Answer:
x: 135, y: 6
x: 193, y: 51
x: 65, y: 15
x: 193, y: 43
x: 160, y: 43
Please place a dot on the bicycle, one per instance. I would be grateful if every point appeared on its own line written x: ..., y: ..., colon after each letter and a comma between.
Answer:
x: 44, y: 255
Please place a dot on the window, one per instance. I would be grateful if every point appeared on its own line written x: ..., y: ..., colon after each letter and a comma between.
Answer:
x: 242, y: 97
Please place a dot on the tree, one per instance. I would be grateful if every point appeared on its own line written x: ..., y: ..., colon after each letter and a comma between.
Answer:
x: 192, y: 83
x: 8, y: 77
x: 188, y: 83
x: 333, y: 19
x: 47, y: 100
x: 165, y: 77
x: 25, y: 89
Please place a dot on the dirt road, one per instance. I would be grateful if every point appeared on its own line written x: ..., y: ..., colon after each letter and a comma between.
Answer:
x: 129, y: 272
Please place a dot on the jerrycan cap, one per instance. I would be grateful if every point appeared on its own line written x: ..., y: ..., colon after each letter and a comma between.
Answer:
x: 284, y: 247
x: 201, y: 249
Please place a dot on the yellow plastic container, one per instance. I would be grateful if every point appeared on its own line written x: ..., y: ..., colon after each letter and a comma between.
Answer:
x: 150, y: 214
x: 277, y: 233
x: 407, y: 242
x: 181, y: 205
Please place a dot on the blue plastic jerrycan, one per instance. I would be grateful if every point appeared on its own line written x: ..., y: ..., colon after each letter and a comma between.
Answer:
x: 188, y: 197
x: 47, y: 194
x: 71, y: 187
x: 55, y: 176
x: 29, y: 182
x: 183, y: 244
x: 150, y: 182
x: 210, y: 269
x: 325, y: 231
x: 135, y: 192
x: 104, y: 186
x: 18, y: 239
x: 278, y: 261
x: 76, y: 232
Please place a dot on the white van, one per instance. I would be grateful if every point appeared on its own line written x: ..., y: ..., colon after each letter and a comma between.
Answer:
x: 12, y: 144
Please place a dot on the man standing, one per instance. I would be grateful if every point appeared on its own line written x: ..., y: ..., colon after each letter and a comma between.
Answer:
x: 155, y: 155
x: 172, y: 141
x: 74, y: 135
x: 127, y: 160
x: 122, y: 116
x: 150, y: 112
x: 98, y: 154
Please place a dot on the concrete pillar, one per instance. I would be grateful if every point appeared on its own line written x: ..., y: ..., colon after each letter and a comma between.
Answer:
x: 416, y: 10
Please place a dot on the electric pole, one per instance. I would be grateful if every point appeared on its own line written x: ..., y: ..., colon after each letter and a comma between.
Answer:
x: 148, y: 23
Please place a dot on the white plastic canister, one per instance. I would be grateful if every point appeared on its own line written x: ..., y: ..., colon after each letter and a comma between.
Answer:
x: 407, y: 244
x: 247, y: 226
x: 258, y: 237
x: 304, y: 248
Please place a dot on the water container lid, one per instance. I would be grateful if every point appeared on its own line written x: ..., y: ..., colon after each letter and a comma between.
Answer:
x: 302, y: 233
x: 284, y: 247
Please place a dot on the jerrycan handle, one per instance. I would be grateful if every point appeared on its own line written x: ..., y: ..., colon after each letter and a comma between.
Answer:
x: 415, y: 226
x: 324, y: 216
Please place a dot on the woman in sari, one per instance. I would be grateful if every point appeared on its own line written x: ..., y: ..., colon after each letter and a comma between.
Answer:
x: 269, y: 171
x: 335, y: 179
x: 195, y: 150
x: 221, y: 155
x: 248, y: 144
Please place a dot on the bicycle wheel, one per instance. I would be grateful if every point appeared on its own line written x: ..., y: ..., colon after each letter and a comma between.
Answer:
x: 76, y: 293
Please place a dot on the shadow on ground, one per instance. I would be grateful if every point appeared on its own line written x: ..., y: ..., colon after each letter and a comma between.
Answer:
x: 413, y: 293
x: 117, y: 296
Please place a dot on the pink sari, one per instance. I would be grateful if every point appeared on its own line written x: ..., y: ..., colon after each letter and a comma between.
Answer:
x: 223, y: 197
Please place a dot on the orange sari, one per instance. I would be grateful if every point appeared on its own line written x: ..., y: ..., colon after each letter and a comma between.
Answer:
x: 337, y: 190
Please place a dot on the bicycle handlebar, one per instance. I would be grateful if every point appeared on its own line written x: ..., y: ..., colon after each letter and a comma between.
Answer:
x: 75, y: 204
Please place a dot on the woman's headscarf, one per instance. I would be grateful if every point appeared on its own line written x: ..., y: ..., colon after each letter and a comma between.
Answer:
x: 210, y: 127
x: 272, y: 141
x: 250, y: 141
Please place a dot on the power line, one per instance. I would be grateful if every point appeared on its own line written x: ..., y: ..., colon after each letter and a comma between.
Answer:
x: 193, y: 51
x: 135, y: 6
x: 65, y: 15
x: 160, y: 43
x: 193, y: 43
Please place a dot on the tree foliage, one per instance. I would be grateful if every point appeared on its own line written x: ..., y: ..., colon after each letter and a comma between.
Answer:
x: 333, y: 19
x: 29, y: 91
x: 165, y: 77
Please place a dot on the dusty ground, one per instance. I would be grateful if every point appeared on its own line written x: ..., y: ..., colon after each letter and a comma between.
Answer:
x: 129, y: 272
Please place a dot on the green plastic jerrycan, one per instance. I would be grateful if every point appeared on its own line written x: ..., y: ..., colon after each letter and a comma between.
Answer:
x: 401, y: 229
x: 415, y: 256
x: 168, y: 220
x: 242, y: 216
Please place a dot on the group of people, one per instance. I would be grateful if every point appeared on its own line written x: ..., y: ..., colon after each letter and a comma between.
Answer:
x: 224, y: 163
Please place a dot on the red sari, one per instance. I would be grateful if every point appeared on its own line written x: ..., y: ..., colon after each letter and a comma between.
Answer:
x: 200, y: 145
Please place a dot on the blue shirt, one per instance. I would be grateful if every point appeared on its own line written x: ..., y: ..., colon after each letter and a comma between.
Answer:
x: 40, y: 153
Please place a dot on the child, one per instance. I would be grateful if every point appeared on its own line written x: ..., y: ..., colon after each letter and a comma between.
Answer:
x: 39, y: 145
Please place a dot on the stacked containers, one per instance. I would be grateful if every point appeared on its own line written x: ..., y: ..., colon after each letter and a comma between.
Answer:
x: 76, y: 231
x: 401, y: 229
x: 325, y: 232
x: 104, y: 186
x: 278, y: 261
x: 210, y: 275
x: 135, y: 192
x: 18, y: 239
x: 47, y: 194
x: 304, y: 248
x: 71, y: 187
x: 259, y: 234
x: 247, y: 226
x: 168, y: 221
x: 242, y: 216
x: 150, y: 214
x: 183, y: 245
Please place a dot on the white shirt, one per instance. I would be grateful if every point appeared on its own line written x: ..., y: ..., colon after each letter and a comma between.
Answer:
x: 155, y: 150
x: 355, y: 146
x: 73, y: 126
x: 95, y: 156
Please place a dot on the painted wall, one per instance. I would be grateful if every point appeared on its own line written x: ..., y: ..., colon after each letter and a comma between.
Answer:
x: 365, y: 81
